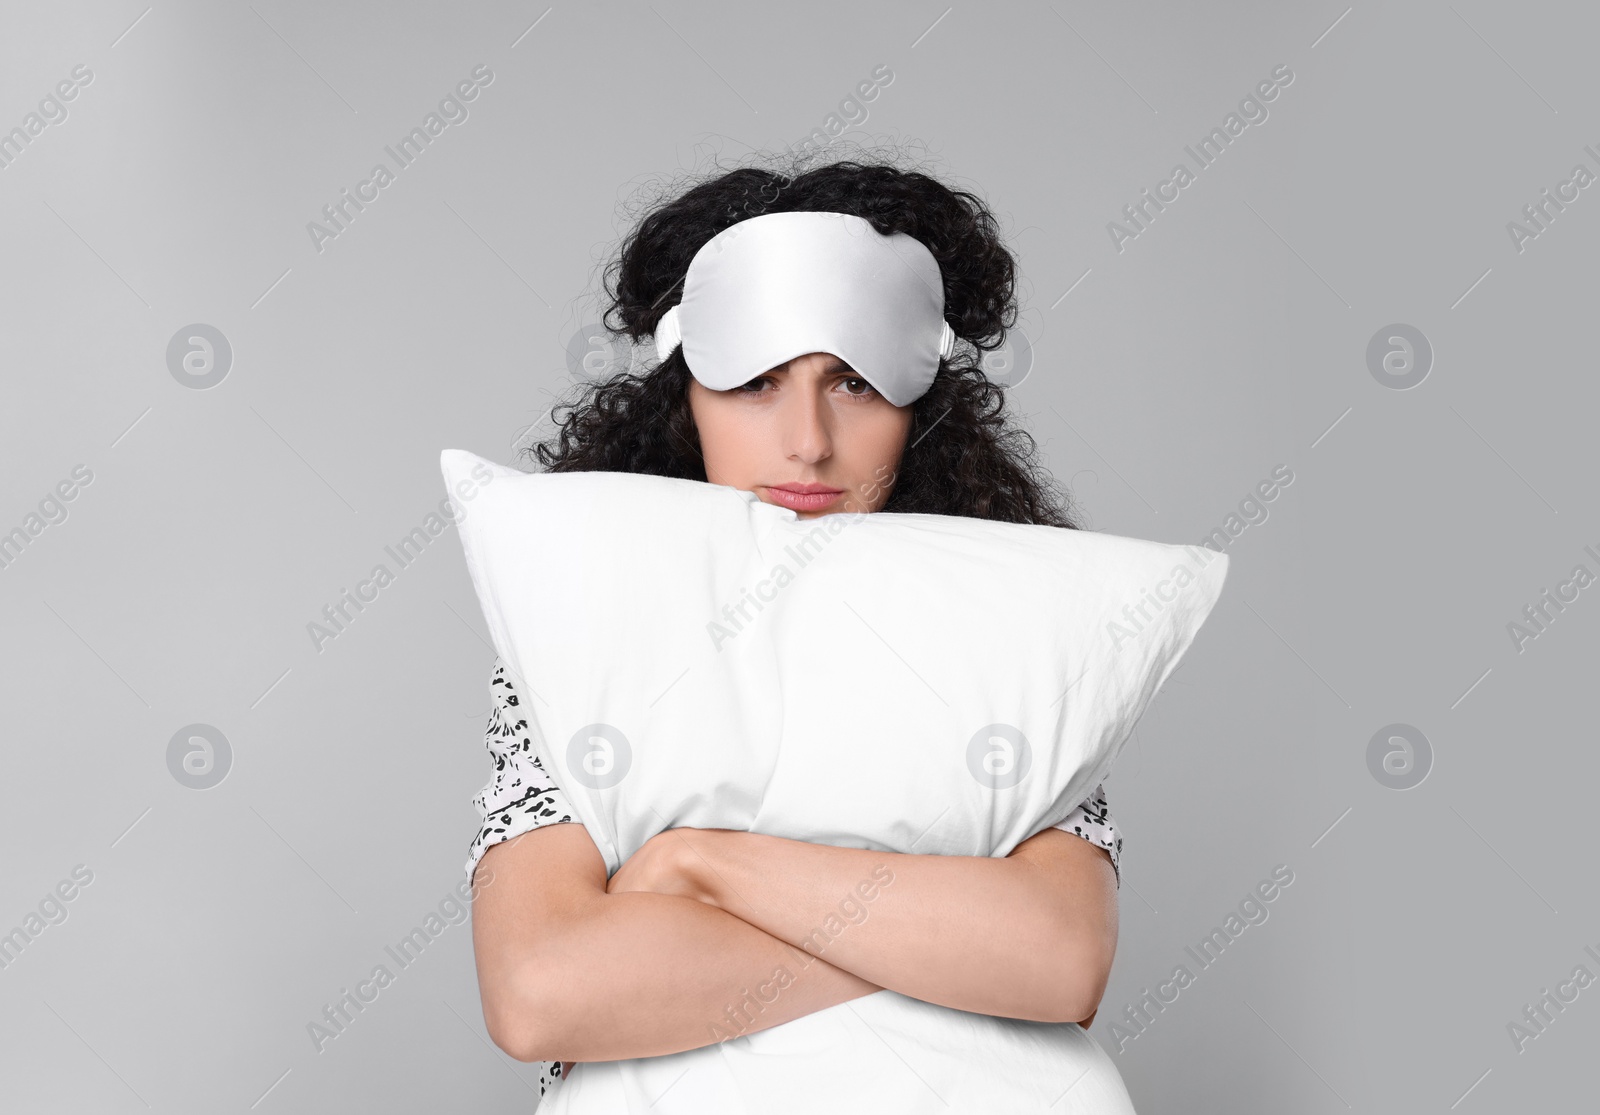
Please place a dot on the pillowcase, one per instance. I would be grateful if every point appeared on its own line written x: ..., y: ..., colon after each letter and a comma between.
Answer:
x: 688, y: 655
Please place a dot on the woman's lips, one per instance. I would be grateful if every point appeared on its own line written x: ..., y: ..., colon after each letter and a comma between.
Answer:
x: 804, y: 497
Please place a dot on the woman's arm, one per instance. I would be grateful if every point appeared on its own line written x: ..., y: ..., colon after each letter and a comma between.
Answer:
x: 568, y: 972
x: 1031, y: 935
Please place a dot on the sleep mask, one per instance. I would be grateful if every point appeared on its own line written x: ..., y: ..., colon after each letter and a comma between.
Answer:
x: 768, y: 289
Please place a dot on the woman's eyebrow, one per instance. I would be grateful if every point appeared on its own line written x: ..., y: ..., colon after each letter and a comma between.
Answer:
x: 831, y: 365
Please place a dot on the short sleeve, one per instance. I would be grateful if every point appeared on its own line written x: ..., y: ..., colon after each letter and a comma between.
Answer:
x: 1092, y: 821
x: 520, y: 796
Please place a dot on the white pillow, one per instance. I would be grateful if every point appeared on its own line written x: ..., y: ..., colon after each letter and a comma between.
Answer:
x: 688, y: 655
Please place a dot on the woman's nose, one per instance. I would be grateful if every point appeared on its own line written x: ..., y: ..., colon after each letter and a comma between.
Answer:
x: 806, y: 427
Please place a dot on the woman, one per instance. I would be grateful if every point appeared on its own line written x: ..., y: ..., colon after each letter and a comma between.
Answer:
x: 575, y: 967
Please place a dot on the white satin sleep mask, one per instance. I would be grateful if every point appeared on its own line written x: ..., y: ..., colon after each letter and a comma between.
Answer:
x: 768, y: 289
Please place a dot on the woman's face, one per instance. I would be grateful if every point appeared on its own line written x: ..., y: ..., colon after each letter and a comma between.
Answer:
x: 809, y: 435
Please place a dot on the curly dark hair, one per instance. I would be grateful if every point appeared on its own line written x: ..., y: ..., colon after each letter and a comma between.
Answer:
x: 962, y: 455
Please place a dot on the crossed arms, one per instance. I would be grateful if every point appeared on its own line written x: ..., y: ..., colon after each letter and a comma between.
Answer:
x: 709, y: 933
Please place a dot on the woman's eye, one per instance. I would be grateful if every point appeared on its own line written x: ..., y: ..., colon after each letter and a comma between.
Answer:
x: 854, y: 386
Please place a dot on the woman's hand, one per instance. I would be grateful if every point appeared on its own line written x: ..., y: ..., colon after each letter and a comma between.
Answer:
x: 1030, y: 935
x: 670, y: 862
x: 567, y: 972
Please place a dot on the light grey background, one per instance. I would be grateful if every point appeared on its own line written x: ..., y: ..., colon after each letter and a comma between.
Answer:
x: 1229, y: 338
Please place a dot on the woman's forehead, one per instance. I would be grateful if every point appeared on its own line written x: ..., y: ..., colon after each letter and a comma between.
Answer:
x: 823, y: 363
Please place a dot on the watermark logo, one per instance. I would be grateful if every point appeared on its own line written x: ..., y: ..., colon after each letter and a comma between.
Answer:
x: 199, y: 756
x: 337, y: 617
x: 404, y: 153
x: 1539, y: 1014
x: 1399, y: 356
x: 999, y: 756
x: 599, y: 756
x: 1538, y: 615
x: 1399, y: 756
x: 51, y: 910
x: 1541, y: 214
x: 594, y: 353
x: 1136, y: 619
x: 52, y: 510
x: 52, y: 110
x: 1010, y: 364
x: 1252, y: 110
x: 852, y: 113
x: 738, y: 1017
x: 1252, y: 510
x: 337, y: 1016
x: 199, y: 356
x: 1139, y: 1015
x: 740, y: 615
